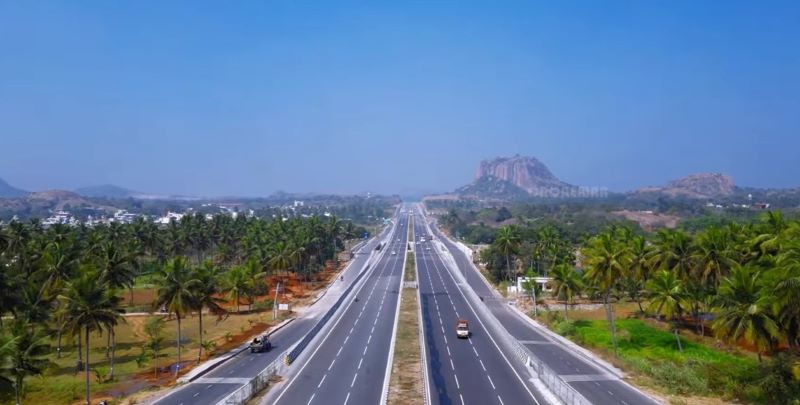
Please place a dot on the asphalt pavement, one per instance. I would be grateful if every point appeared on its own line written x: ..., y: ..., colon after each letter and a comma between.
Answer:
x: 462, y: 371
x: 232, y: 374
x: 349, y: 364
x: 592, y: 381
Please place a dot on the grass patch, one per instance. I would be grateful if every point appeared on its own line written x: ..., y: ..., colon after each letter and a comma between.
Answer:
x: 133, y: 372
x: 405, y: 384
x: 410, y: 273
x: 653, y: 353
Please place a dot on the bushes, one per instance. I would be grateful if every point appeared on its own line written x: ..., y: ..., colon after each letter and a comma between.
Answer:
x: 699, y: 370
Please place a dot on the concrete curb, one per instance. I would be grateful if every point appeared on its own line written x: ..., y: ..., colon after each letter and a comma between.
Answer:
x: 216, y: 362
x: 390, y: 361
x: 291, y: 374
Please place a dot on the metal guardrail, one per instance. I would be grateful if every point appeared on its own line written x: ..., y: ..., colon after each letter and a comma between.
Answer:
x: 560, y: 388
x: 300, y: 346
x: 256, y: 384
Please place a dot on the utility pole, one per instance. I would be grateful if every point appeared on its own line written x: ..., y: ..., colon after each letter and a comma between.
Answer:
x: 275, y: 303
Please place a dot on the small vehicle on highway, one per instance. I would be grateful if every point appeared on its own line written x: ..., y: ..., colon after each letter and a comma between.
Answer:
x: 462, y: 329
x: 260, y: 344
x: 393, y: 252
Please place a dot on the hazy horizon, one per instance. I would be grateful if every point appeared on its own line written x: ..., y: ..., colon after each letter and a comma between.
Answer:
x: 248, y: 99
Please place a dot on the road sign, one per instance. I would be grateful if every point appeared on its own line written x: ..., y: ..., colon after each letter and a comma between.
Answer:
x: 283, y: 307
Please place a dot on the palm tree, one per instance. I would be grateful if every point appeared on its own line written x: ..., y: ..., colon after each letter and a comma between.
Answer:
x: 176, y: 285
x: 507, y: 242
x: 567, y: 283
x: 742, y: 312
x: 205, y: 295
x: 24, y: 353
x: 89, y: 307
x: 235, y: 283
x: 668, y: 299
x: 673, y: 251
x: 606, y: 260
x: 155, y: 341
x: 786, y: 292
x: 713, y: 255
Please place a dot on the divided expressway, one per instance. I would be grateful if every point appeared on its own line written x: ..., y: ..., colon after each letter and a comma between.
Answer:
x: 462, y: 371
x: 597, y: 385
x: 349, y: 364
x: 236, y: 372
x: 349, y: 361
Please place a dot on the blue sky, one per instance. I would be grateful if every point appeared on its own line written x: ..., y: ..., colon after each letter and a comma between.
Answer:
x: 245, y: 98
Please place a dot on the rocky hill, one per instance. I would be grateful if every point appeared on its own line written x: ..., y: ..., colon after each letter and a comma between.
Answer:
x: 525, y: 172
x: 696, y: 186
x: 9, y: 191
x: 511, y: 178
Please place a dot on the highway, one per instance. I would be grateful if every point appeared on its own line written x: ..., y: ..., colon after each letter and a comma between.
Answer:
x: 232, y: 374
x: 461, y: 371
x: 594, y: 383
x: 349, y: 365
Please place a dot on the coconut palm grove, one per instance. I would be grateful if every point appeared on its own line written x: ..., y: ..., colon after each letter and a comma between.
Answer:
x: 62, y: 287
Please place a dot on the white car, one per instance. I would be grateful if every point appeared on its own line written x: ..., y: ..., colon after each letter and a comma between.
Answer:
x: 393, y: 252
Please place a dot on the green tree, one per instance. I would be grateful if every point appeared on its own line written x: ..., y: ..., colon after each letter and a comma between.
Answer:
x: 89, y: 307
x: 24, y: 353
x: 567, y: 283
x: 235, y: 283
x: 742, y: 312
x: 204, y: 295
x: 668, y: 299
x: 175, y: 293
x: 508, y: 241
x: 606, y: 260
x: 154, y: 328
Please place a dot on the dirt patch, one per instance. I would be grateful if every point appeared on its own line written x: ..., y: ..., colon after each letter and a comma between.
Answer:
x: 649, y: 220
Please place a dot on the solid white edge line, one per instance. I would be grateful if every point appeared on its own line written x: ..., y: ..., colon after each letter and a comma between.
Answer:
x: 390, y: 358
x: 484, y: 326
x: 362, y: 283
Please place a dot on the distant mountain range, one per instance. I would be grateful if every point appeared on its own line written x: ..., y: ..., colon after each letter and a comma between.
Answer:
x: 9, y: 191
x: 107, y: 191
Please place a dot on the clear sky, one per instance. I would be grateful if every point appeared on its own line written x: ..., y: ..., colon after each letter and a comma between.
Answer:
x: 245, y: 98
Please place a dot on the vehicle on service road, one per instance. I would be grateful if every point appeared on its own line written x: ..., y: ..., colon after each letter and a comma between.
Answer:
x: 260, y: 344
x: 462, y: 329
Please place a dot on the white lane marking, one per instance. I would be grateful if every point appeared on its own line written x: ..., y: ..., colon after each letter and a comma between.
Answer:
x: 451, y: 365
x: 347, y: 397
x: 501, y: 400
x: 195, y: 394
x: 482, y: 366
x: 448, y: 351
x: 624, y: 403
x: 365, y: 350
x: 208, y: 386
x: 476, y: 352
x: 359, y: 363
x: 457, y: 384
x: 321, y: 381
x: 462, y: 399
x: 311, y: 399
x: 369, y: 339
x: 352, y: 383
x: 340, y: 351
x: 491, y: 382
x: 331, y: 366
x: 351, y: 330
x: 610, y: 393
x: 346, y: 338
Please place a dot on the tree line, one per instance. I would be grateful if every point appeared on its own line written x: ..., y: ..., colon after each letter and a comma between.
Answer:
x: 741, y: 279
x: 65, y: 282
